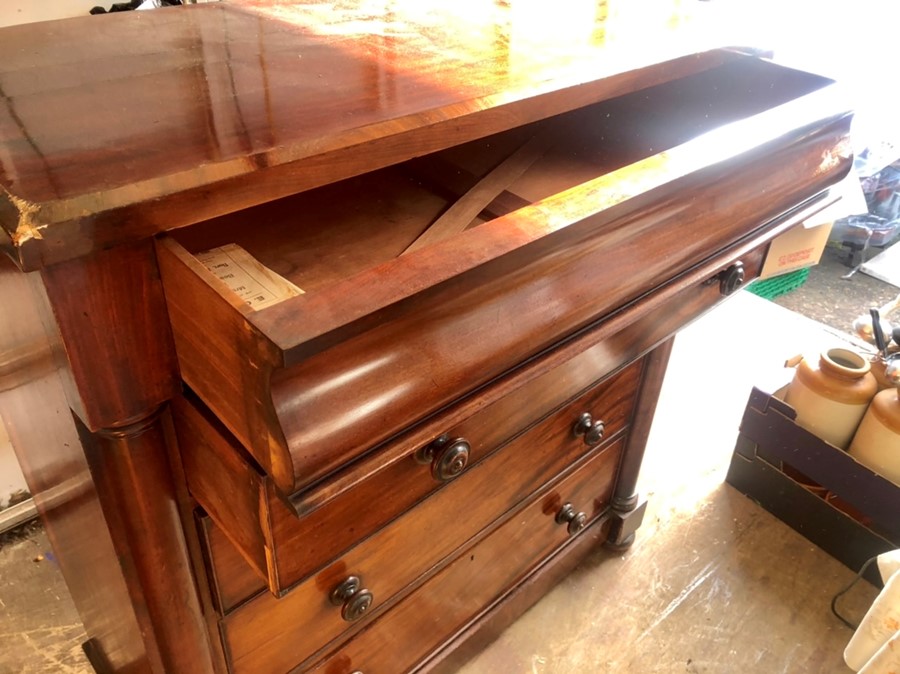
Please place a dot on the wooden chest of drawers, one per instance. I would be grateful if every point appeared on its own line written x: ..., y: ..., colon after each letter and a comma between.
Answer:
x: 364, y: 347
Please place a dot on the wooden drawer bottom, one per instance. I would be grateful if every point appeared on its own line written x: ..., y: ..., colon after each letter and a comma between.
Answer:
x: 479, y: 578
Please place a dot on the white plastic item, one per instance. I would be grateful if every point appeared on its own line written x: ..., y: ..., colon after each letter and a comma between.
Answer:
x: 886, y: 659
x: 888, y: 564
x: 880, y: 623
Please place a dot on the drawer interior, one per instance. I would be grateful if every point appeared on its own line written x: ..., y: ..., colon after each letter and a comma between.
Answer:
x: 615, y: 201
x: 331, y: 233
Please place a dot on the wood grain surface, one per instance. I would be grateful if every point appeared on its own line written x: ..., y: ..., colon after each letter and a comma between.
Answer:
x: 324, y: 138
x: 169, y: 118
x: 477, y: 577
x: 285, y: 548
x: 259, y: 632
x: 42, y: 430
x: 118, y: 364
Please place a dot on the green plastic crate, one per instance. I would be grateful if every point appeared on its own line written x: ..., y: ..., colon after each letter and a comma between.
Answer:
x: 777, y: 286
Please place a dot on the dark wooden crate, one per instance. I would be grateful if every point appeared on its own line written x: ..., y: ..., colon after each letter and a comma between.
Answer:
x: 770, y: 440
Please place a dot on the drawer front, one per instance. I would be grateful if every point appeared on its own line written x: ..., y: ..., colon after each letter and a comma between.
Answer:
x: 302, y: 545
x: 292, y: 627
x: 482, y: 574
x: 233, y: 579
x: 417, y: 356
x: 285, y: 548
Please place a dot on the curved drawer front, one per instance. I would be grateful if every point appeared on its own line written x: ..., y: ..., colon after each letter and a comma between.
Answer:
x: 270, y: 635
x: 301, y: 546
x: 379, y: 343
x: 397, y: 556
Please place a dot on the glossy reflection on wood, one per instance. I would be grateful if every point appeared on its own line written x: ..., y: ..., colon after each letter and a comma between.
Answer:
x: 112, y: 347
x: 207, y: 110
x: 285, y: 548
x: 403, y: 637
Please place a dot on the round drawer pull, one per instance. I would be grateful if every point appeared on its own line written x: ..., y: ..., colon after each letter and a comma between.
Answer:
x: 590, y: 429
x: 448, y: 458
x: 353, y: 599
x: 732, y: 279
x: 575, y: 520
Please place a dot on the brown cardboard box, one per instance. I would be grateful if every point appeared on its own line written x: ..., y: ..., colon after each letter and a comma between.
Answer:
x: 799, y: 247
x: 802, y: 245
x: 825, y: 494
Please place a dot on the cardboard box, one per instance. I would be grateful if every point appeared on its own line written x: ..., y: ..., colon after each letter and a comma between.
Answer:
x: 815, y: 488
x: 802, y: 245
x: 797, y: 248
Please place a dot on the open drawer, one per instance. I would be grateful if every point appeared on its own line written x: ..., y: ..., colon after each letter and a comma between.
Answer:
x: 596, y: 222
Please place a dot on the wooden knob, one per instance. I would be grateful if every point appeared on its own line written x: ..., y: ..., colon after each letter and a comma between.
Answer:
x: 574, y: 520
x: 732, y: 279
x: 353, y: 599
x: 590, y: 429
x: 448, y: 458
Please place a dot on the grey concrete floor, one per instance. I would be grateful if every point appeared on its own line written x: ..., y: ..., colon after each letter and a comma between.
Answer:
x: 713, y: 583
x: 830, y: 299
x: 40, y: 631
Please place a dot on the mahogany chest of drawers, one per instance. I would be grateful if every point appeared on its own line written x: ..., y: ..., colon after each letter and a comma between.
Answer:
x: 362, y: 319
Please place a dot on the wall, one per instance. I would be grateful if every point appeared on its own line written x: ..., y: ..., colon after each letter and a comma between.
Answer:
x: 27, y: 11
x: 11, y: 480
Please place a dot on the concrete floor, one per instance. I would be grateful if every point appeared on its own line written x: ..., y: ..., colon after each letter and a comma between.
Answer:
x: 830, y: 299
x: 713, y: 583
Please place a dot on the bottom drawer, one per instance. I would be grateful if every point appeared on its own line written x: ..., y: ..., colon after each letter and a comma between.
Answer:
x: 444, y: 606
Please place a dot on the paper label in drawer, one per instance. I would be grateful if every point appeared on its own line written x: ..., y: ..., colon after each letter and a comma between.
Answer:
x: 255, y: 284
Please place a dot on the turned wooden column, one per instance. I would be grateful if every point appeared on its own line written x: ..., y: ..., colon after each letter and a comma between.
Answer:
x: 120, y: 372
x: 627, y: 508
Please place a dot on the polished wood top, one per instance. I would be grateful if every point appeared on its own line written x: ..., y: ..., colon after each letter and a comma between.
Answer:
x: 117, y: 127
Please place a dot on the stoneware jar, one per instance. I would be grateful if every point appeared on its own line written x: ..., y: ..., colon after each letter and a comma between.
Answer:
x: 879, y: 366
x: 877, y: 441
x: 831, y: 393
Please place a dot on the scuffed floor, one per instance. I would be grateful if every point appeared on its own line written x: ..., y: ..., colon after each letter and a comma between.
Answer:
x: 714, y: 584
x: 40, y: 631
x: 724, y: 589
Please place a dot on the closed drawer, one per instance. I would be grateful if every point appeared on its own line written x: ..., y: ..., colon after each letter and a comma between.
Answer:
x: 380, y: 342
x: 392, y: 560
x: 285, y: 547
x: 465, y: 589
x: 233, y: 580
